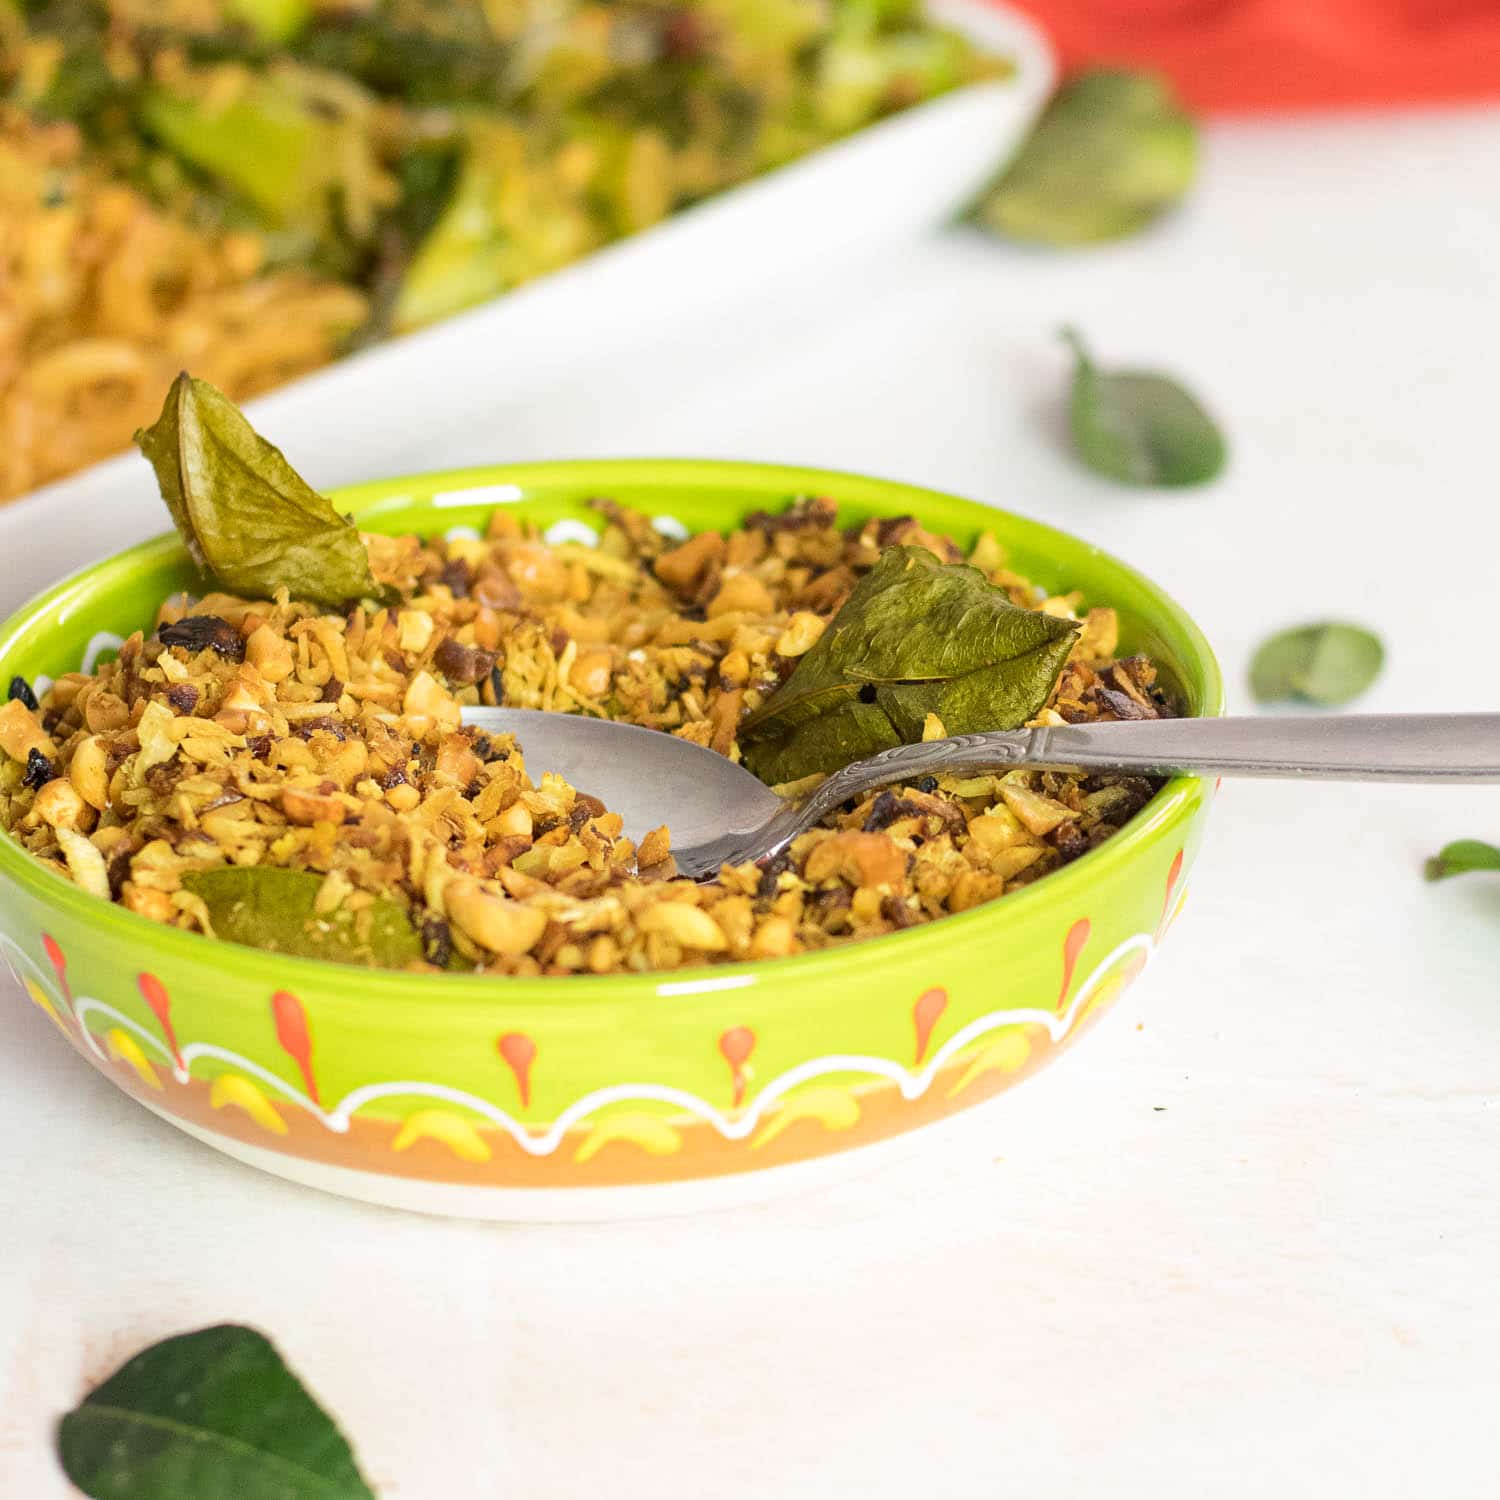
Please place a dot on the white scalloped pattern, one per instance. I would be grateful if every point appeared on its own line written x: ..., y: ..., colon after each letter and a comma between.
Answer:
x: 912, y: 1083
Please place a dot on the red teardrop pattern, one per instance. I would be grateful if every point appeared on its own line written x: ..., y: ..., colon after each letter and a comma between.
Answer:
x: 1173, y: 875
x: 292, y: 1033
x: 154, y: 993
x: 1073, y: 944
x: 59, y: 967
x: 518, y: 1052
x: 925, y: 1013
x: 737, y: 1044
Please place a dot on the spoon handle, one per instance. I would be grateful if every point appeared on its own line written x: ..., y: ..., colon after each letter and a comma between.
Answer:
x: 1383, y: 747
x: 1338, y: 747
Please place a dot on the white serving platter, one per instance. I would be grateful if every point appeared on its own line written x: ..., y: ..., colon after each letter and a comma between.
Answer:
x: 358, y: 418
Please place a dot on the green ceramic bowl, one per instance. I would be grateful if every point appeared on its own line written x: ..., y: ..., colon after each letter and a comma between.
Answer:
x: 585, y: 1097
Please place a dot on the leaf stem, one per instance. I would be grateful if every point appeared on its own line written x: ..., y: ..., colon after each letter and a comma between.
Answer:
x: 1074, y: 340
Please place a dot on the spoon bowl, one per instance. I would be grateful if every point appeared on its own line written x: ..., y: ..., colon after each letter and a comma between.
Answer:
x: 647, y: 777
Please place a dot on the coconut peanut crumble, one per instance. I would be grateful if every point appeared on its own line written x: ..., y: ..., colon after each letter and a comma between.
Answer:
x: 271, y: 734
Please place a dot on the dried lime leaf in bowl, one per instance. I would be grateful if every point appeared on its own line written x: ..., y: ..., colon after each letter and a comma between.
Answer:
x: 1139, y: 427
x: 916, y: 637
x: 277, y: 911
x: 1328, y: 663
x: 248, y: 518
x: 1111, y: 153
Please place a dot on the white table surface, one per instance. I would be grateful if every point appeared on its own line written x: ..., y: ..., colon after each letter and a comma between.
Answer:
x: 1245, y: 1242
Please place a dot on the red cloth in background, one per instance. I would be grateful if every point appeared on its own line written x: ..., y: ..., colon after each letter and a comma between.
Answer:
x: 1263, y: 55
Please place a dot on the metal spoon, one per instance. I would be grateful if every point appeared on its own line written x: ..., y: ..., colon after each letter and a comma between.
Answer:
x: 718, y: 812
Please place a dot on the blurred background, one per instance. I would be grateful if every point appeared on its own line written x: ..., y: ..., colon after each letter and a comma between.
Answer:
x: 256, y: 188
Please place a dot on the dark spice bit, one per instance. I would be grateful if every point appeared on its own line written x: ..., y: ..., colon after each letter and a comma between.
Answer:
x: 811, y: 513
x: 396, y: 776
x: 326, y: 723
x: 888, y: 808
x: 204, y: 633
x: 333, y: 690
x: 455, y: 577
x: 1122, y: 705
x: 897, y: 912
x: 437, y: 941
x: 39, y: 770
x: 926, y: 784
x: 897, y: 531
x: 554, y: 935
x: 161, y: 779
x: 259, y: 745
x: 183, y: 696
x: 20, y: 688
x: 485, y: 747
x: 117, y: 869
x: 1135, y: 677
x: 891, y: 529
x: 1070, y: 840
x: 584, y: 808
x: 463, y: 665
x: 837, y: 899
x: 770, y: 874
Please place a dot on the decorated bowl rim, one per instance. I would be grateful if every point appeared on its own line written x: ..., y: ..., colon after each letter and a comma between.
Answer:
x: 127, y: 931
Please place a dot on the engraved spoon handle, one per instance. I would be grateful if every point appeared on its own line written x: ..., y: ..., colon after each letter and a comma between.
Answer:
x: 1375, y: 747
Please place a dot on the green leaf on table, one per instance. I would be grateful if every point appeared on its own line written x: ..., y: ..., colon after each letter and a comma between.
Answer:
x: 1111, y: 153
x: 1463, y: 857
x: 277, y: 911
x: 1140, y: 428
x: 1327, y: 663
x: 247, y: 516
x: 211, y: 1413
x: 917, y: 636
